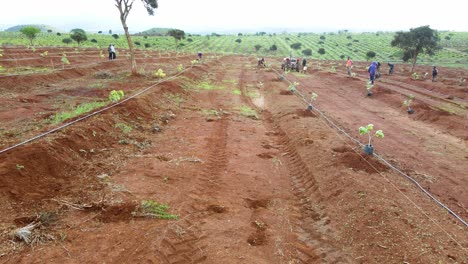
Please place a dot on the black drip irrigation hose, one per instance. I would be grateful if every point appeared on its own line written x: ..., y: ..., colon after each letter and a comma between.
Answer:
x: 296, y: 91
x: 93, y: 113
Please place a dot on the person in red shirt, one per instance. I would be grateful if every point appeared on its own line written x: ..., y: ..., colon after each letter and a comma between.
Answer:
x: 349, y: 65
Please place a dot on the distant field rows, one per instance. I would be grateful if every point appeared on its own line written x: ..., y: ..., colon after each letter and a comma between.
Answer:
x: 337, y: 46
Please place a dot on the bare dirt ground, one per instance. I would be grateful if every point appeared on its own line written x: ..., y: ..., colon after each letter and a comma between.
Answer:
x: 252, y: 175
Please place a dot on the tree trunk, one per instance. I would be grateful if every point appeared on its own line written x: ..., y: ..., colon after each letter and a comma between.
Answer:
x: 414, y: 59
x: 132, y: 52
x: 123, y: 19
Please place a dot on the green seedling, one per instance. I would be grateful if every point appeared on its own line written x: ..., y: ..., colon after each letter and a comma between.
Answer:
x: 44, y: 54
x: 369, y: 87
x: 367, y: 130
x: 415, y: 76
x: 64, y: 60
x: 313, y: 97
x: 292, y: 87
x: 409, y: 103
x: 180, y: 68
x: 19, y: 167
x: 115, y: 96
x: 160, y: 73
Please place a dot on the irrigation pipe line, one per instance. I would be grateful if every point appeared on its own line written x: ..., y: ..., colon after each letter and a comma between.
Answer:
x: 378, y: 156
x: 93, y: 113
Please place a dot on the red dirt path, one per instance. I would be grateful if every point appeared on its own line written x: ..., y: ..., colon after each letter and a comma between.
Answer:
x: 274, y: 185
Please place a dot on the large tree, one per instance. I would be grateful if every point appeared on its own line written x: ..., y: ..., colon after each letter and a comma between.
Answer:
x: 417, y: 40
x: 124, y: 7
x: 30, y: 32
x: 177, y: 34
x: 78, y: 35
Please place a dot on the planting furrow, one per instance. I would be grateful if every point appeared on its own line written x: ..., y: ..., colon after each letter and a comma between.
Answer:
x: 429, y: 97
x: 312, y: 223
x: 184, y: 244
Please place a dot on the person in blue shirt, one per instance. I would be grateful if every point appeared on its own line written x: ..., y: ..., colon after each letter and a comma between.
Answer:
x: 372, y: 70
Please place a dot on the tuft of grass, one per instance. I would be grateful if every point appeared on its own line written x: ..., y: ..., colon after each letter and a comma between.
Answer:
x: 157, y: 210
x: 124, y: 127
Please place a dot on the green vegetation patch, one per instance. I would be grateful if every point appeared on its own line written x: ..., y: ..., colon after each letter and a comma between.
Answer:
x: 97, y: 85
x: 247, y: 111
x: 209, y: 112
x: 175, y: 98
x: 237, y: 92
x: 253, y: 94
x: 124, y: 127
x: 79, y: 110
x: 229, y: 81
x: 207, y: 85
x: 157, y: 210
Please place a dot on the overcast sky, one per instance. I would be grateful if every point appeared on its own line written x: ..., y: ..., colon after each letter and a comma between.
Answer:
x: 194, y: 16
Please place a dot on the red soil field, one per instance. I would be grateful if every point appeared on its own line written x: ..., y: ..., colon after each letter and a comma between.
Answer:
x: 253, y: 176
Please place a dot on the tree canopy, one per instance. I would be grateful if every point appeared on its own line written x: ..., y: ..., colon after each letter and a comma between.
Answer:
x: 78, y: 35
x: 370, y: 54
x: 417, y: 40
x: 296, y: 46
x: 177, y: 34
x: 30, y: 33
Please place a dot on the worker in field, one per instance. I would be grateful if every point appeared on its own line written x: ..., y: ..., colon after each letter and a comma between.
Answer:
x: 372, y: 71
x: 111, y: 49
x: 200, y: 55
x: 349, y: 66
x: 260, y: 64
x: 434, y: 73
x: 304, y: 65
x: 391, y: 67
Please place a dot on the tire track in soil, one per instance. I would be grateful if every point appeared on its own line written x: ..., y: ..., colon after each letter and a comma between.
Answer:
x: 311, y: 226
x: 184, y: 242
x: 313, y: 246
